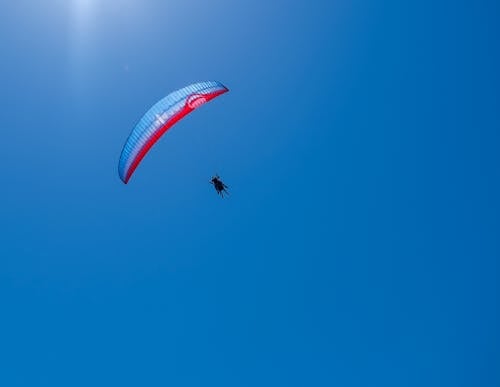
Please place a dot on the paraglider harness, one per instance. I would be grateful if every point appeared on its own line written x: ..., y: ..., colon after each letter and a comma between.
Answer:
x: 219, y: 186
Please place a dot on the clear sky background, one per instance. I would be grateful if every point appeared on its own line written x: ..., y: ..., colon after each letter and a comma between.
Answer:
x: 360, y: 243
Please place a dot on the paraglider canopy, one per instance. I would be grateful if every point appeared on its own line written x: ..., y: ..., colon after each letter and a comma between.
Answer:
x: 160, y: 118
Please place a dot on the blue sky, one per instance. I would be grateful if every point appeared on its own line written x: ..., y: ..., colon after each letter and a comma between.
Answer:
x: 359, y: 246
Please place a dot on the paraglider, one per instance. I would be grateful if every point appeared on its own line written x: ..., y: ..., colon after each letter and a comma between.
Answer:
x: 160, y: 118
x: 219, y: 186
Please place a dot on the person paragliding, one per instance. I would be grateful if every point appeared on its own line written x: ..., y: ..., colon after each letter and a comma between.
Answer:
x: 219, y: 186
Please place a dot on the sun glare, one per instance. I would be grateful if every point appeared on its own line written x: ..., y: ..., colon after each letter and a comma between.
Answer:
x: 82, y: 11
